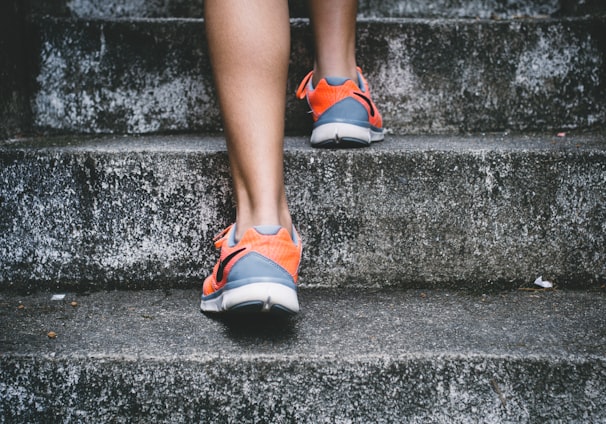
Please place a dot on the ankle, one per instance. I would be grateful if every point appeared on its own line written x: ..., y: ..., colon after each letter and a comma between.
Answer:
x: 341, y: 72
x: 244, y: 224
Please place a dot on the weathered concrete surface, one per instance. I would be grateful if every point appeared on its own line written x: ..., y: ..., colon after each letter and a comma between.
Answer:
x: 91, y: 211
x: 427, y: 76
x: 582, y: 7
x: 366, y: 8
x: 496, y: 9
x: 476, y: 212
x: 350, y: 356
x: 124, y: 76
x: 469, y: 76
x: 14, y: 69
x: 458, y: 8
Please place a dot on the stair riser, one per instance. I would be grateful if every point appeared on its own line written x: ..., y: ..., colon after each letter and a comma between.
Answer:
x: 14, y: 97
x: 426, y: 76
x: 366, y: 8
x: 452, y: 217
x: 416, y: 390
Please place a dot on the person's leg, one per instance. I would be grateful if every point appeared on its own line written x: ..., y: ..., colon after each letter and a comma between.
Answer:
x: 249, y: 44
x: 343, y: 112
x: 334, y: 28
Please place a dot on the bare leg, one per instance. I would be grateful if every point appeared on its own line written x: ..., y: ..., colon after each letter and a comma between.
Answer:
x: 334, y: 28
x: 249, y: 43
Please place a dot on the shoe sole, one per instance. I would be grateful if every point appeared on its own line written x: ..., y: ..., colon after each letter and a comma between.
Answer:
x: 344, y: 135
x: 259, y: 297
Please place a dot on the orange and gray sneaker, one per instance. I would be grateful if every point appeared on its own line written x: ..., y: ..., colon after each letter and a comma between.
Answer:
x: 258, y: 273
x: 343, y: 112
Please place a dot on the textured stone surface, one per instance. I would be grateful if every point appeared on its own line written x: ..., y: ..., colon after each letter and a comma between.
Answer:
x: 125, y: 76
x: 14, y: 70
x: 582, y: 7
x: 468, y: 76
x: 90, y: 213
x: 350, y: 356
x: 428, y: 76
x: 366, y: 8
x: 458, y: 8
x: 475, y: 212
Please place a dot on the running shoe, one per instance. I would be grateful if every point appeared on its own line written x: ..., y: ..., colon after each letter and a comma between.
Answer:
x: 343, y: 112
x: 255, y: 274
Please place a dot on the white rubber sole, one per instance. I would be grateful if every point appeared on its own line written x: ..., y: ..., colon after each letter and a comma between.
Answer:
x: 335, y: 134
x: 254, y: 297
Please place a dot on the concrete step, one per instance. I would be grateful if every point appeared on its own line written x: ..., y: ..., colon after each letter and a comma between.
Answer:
x: 354, y: 356
x: 475, y: 212
x: 366, y: 8
x: 15, y: 96
x: 428, y: 76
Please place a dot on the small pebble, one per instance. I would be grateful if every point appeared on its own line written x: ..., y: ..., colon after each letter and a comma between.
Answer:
x: 52, y: 335
x: 21, y: 306
x: 74, y: 304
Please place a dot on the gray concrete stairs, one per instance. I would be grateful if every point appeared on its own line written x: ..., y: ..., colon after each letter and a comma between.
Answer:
x: 430, y: 76
x: 417, y: 293
x: 473, y: 211
x: 350, y: 356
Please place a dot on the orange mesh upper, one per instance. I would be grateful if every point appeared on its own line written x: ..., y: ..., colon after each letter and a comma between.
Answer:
x: 324, y: 95
x: 279, y: 248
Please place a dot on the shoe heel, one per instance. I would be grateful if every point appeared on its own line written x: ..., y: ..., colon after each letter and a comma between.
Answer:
x: 340, y: 134
x: 268, y: 297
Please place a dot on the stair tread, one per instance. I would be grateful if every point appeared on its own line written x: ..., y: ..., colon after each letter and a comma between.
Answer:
x: 340, y: 325
x: 303, y: 21
x: 498, y: 142
x: 349, y: 356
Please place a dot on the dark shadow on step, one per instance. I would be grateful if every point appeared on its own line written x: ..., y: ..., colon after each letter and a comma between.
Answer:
x: 257, y: 328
